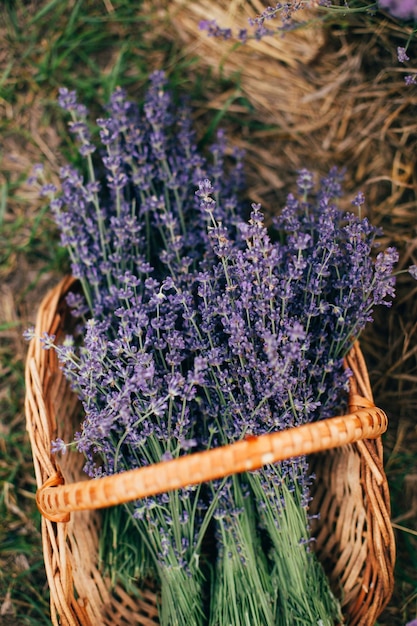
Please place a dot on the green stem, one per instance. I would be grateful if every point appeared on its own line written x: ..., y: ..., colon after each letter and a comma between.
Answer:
x: 242, y: 591
x: 304, y: 596
x: 181, y: 597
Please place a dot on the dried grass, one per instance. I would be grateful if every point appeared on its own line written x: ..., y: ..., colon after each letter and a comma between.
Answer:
x: 329, y: 96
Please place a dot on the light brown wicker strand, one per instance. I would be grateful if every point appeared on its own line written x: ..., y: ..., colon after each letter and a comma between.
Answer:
x: 378, y: 510
x: 354, y: 535
x: 362, y: 603
x: 381, y: 545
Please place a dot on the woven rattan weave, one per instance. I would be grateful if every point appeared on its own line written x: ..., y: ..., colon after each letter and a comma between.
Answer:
x: 354, y: 536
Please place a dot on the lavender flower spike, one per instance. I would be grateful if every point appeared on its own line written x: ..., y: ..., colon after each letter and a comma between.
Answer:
x: 403, y: 9
x: 58, y: 445
x: 402, y: 55
x: 413, y: 271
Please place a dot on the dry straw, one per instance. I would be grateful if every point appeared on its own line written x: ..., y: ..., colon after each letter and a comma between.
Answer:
x: 354, y: 536
x: 329, y: 93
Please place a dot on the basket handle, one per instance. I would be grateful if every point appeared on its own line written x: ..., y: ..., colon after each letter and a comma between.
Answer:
x: 56, y: 500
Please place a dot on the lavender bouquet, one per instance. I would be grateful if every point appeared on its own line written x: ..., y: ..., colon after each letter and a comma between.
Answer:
x: 136, y: 373
x: 199, y: 328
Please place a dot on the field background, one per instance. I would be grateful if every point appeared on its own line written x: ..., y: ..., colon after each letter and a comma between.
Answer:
x: 95, y: 45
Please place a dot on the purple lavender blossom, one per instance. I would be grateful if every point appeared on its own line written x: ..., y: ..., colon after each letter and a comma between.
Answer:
x: 413, y: 271
x: 288, y: 312
x: 260, y: 26
x: 68, y: 100
x: 214, y: 30
x: 29, y: 333
x: 403, y: 9
x: 410, y: 79
x: 58, y: 446
x: 402, y: 55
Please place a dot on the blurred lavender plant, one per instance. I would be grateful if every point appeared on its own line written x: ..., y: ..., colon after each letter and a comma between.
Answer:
x: 285, y: 16
x: 410, y: 79
x: 403, y: 9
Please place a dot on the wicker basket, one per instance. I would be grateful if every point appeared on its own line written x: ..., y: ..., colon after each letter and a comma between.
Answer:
x: 354, y: 537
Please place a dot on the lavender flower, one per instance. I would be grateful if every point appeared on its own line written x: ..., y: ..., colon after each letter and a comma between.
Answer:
x: 285, y: 16
x: 258, y: 27
x: 214, y: 30
x: 403, y: 9
x: 402, y: 55
x: 413, y: 271
x: 58, y: 445
x: 410, y: 79
x: 29, y: 333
